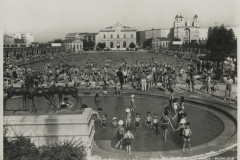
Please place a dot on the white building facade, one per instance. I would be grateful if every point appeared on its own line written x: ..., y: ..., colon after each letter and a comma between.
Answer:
x: 117, y: 36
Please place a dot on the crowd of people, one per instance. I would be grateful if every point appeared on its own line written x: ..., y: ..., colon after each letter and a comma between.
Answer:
x: 119, y: 71
x: 138, y: 74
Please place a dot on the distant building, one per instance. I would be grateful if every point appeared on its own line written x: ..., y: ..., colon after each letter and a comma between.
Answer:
x: 117, y: 36
x: 26, y: 37
x: 73, y: 44
x: 140, y: 37
x: 160, y: 42
x: 77, y: 35
x: 12, y: 42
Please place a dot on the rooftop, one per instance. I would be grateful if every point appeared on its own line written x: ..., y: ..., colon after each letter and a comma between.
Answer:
x: 163, y: 39
x: 70, y: 40
x: 72, y: 34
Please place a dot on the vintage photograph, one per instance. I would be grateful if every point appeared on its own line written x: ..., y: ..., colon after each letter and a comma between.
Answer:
x: 119, y: 79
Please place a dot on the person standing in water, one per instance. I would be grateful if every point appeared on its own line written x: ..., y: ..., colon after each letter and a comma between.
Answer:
x: 120, y: 134
x: 171, y: 99
x: 137, y: 122
x: 148, y: 121
x: 128, y: 139
x: 186, y: 135
x: 133, y: 103
x: 128, y: 118
x: 165, y: 122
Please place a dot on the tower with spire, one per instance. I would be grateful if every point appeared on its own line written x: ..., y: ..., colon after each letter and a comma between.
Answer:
x: 195, y: 21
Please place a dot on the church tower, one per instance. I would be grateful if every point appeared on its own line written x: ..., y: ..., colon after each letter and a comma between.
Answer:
x: 195, y: 21
x: 178, y: 21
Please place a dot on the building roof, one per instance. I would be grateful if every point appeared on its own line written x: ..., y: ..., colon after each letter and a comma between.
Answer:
x: 6, y: 36
x: 91, y: 34
x: 162, y: 39
x: 195, y: 16
x: 70, y: 40
x: 112, y: 28
x: 180, y: 16
x: 18, y: 41
x: 176, y: 16
x: 72, y: 34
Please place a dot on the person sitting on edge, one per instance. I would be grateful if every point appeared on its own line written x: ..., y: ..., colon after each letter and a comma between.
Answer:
x: 65, y: 104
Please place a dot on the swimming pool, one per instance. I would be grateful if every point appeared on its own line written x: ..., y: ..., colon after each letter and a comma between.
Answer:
x: 205, y: 125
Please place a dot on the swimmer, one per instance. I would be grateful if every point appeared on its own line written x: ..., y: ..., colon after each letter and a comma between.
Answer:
x: 155, y: 123
x: 133, y: 103
x: 128, y: 118
x: 182, y: 124
x: 137, y: 122
x: 128, y: 139
x: 179, y: 115
x: 148, y: 121
x: 120, y: 134
x: 97, y: 98
x: 103, y: 121
x: 114, y: 123
x: 165, y: 122
x: 105, y: 92
x: 186, y: 135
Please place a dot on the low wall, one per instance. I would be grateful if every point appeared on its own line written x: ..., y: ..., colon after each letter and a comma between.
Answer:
x: 48, y: 129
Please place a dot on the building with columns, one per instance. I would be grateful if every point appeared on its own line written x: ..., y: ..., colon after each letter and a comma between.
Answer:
x: 73, y: 45
x: 117, y: 36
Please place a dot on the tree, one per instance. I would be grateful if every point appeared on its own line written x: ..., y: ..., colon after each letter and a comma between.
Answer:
x: 221, y: 43
x: 85, y: 43
x: 57, y: 41
x: 101, y: 45
x: 91, y: 44
x: 148, y: 42
x: 132, y: 45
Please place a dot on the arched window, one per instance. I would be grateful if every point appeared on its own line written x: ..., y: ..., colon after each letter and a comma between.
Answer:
x: 124, y: 44
x: 186, y: 34
x: 111, y: 44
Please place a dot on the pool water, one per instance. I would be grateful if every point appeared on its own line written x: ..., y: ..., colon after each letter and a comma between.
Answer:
x: 205, y: 126
x: 101, y: 57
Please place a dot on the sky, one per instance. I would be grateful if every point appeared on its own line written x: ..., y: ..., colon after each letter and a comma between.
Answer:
x: 51, y: 19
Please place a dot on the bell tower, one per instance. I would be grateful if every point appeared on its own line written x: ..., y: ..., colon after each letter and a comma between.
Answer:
x: 195, y: 21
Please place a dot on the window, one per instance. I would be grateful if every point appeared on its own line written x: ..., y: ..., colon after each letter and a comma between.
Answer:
x: 111, y: 36
x: 131, y: 35
x: 124, y: 36
x: 124, y: 44
x: 77, y: 46
x: 104, y: 36
x: 186, y: 34
x: 118, y: 36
